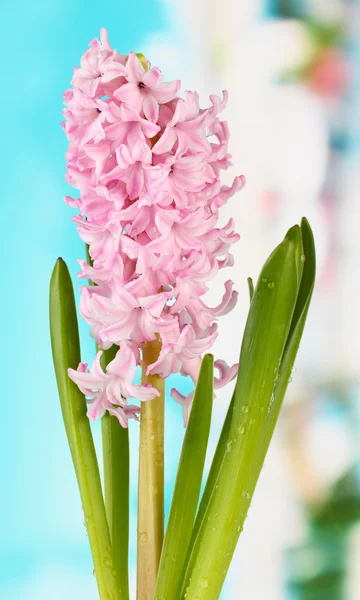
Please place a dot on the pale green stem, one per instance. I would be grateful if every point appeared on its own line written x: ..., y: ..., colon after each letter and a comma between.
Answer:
x: 151, y: 480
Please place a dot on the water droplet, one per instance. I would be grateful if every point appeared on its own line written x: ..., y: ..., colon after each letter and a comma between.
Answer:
x: 204, y: 582
x: 107, y: 562
x: 302, y: 258
x: 264, y: 279
x: 241, y: 428
x: 143, y: 537
x: 290, y: 380
x: 271, y: 285
x: 272, y: 399
x: 114, y: 574
x: 252, y: 421
x: 245, y: 408
x: 152, y: 436
x: 228, y: 446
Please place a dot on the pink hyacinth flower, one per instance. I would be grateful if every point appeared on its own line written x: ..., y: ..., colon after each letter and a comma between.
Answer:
x: 147, y: 164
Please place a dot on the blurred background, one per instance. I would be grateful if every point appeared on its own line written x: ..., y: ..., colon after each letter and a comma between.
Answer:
x: 292, y: 69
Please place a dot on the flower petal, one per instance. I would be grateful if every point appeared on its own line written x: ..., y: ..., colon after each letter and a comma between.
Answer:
x: 166, y: 92
x: 151, y: 108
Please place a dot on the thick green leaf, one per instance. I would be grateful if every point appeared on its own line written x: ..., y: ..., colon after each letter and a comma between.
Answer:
x: 66, y: 353
x: 219, y: 453
x: 115, y: 440
x: 263, y: 344
x: 214, y: 471
x: 308, y: 261
x: 187, y: 486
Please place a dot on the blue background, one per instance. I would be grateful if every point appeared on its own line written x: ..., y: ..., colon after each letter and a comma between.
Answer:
x: 42, y: 535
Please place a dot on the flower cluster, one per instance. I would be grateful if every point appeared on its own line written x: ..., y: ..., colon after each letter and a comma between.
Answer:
x: 147, y: 165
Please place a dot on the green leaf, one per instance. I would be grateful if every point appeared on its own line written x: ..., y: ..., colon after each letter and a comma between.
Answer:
x: 66, y: 354
x: 294, y: 234
x: 251, y: 287
x: 214, y: 470
x: 219, y: 454
x: 115, y: 440
x: 306, y: 288
x: 265, y: 337
x: 187, y: 486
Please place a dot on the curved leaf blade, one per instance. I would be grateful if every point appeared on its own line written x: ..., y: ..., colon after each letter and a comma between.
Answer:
x: 308, y: 260
x: 263, y: 344
x: 187, y: 486
x: 66, y: 353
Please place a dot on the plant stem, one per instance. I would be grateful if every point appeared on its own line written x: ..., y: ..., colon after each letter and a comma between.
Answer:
x: 151, y: 480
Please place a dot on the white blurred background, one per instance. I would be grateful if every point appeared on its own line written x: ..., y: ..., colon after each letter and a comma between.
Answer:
x: 292, y: 71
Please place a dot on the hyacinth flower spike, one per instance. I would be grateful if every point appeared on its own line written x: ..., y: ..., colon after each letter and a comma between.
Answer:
x: 147, y: 165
